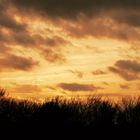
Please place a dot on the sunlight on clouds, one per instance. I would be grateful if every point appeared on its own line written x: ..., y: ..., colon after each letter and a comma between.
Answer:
x: 70, y: 51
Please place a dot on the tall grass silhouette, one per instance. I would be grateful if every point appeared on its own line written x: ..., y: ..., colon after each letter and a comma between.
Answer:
x: 64, y: 114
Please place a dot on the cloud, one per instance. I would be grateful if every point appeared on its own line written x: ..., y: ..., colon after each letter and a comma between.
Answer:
x: 27, y: 89
x: 13, y: 62
x: 15, y: 32
x: 4, y: 49
x: 7, y: 19
x: 121, y: 11
x: 52, y: 56
x: 124, y: 86
x: 52, y: 52
x: 72, y: 8
x: 127, y: 69
x: 55, y: 41
x: 47, y: 47
x: 130, y: 65
x: 78, y: 74
x: 10, y: 23
x: 98, y: 72
x: 25, y: 38
x: 105, y: 18
x: 75, y: 87
x: 130, y: 17
x: 100, y: 27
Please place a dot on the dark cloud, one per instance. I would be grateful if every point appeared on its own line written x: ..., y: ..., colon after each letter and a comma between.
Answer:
x: 130, y: 65
x: 72, y: 8
x: 127, y: 69
x: 23, y: 38
x: 96, y: 12
x: 13, y: 62
x: 57, y: 8
x: 99, y: 72
x: 8, y: 22
x: 131, y: 18
x: 121, y: 10
x: 75, y: 87
x: 36, y: 40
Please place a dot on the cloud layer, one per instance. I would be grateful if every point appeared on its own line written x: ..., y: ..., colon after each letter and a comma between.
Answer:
x: 121, y: 11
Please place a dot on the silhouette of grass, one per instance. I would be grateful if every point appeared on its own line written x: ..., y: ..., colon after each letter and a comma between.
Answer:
x: 64, y: 114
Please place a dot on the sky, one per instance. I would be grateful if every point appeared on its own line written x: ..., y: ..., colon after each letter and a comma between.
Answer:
x: 69, y: 48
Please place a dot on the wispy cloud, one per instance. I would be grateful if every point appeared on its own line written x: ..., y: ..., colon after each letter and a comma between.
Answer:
x: 99, y: 72
x: 124, y: 86
x: 77, y: 73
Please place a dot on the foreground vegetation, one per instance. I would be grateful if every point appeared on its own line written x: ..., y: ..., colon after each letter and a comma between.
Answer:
x: 95, y: 113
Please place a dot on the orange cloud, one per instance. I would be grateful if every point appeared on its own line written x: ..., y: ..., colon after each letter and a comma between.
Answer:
x: 78, y: 87
x: 27, y: 89
x: 123, y: 86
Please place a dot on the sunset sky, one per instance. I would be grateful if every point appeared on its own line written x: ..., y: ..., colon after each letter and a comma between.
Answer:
x: 69, y: 47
